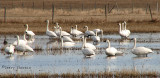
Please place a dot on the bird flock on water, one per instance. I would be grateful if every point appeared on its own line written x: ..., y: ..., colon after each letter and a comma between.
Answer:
x: 88, y: 49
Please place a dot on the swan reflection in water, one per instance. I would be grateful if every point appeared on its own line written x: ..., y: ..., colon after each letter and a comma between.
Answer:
x: 141, y: 57
x: 89, y: 57
x: 10, y: 58
x: 111, y: 57
x: 124, y: 41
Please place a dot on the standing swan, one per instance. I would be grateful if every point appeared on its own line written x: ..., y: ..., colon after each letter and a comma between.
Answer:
x: 140, y: 50
x: 88, y: 45
x: 127, y: 31
x: 23, y: 41
x: 122, y: 33
x: 111, y: 51
x: 23, y: 47
x: 29, y: 33
x: 87, y: 51
x: 48, y: 32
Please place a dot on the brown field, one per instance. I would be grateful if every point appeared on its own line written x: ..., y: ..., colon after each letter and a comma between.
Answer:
x: 117, y: 74
x: 70, y: 13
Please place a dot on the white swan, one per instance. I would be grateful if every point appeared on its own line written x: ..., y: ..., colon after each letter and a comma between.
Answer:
x: 126, y: 30
x: 29, y: 33
x: 122, y: 32
x: 111, y: 51
x: 66, y: 44
x: 63, y: 33
x: 10, y: 49
x: 87, y: 51
x: 88, y: 33
x: 140, y: 50
x: 88, y: 45
x: 48, y: 32
x: 65, y: 38
x: 75, y: 32
x: 96, y: 38
x: 22, y: 41
x: 23, y: 47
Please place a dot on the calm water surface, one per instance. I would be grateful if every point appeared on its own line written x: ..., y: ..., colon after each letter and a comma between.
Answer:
x: 72, y: 60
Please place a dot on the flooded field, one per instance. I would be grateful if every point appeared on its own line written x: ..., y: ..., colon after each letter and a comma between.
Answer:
x: 50, y: 58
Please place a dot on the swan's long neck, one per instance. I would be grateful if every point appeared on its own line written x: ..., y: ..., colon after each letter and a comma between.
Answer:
x: 83, y: 45
x: 134, y: 43
x: 119, y: 28
x: 84, y: 42
x: 96, y: 33
x: 24, y: 37
x: 27, y: 27
x: 87, y: 28
x: 108, y: 43
x: 122, y: 26
x: 62, y: 42
x: 76, y: 27
x: 71, y: 30
x: 47, y: 25
x: 125, y: 25
x: 60, y: 32
x: 102, y: 34
x: 17, y: 40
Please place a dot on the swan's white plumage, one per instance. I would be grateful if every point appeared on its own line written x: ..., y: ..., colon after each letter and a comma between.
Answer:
x: 67, y: 39
x: 88, y: 45
x: 24, y: 41
x: 111, y: 51
x: 88, y: 51
x: 66, y: 44
x: 89, y: 33
x: 10, y: 49
x: 59, y: 32
x: 75, y: 32
x: 122, y: 32
x: 140, y: 50
x: 23, y: 47
x: 48, y: 32
x: 96, y: 38
x: 30, y: 33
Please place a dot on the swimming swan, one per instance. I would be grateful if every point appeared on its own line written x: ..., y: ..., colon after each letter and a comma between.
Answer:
x: 88, y: 33
x: 111, y: 51
x: 66, y: 44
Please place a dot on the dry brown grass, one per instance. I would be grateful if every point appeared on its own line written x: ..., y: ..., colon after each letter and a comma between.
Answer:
x: 119, y: 74
x: 138, y: 21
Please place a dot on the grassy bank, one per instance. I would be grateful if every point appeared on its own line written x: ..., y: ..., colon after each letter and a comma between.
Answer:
x: 138, y: 21
x: 117, y: 74
x: 108, y: 27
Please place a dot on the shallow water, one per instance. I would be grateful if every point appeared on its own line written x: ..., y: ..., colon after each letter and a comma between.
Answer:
x: 73, y: 60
